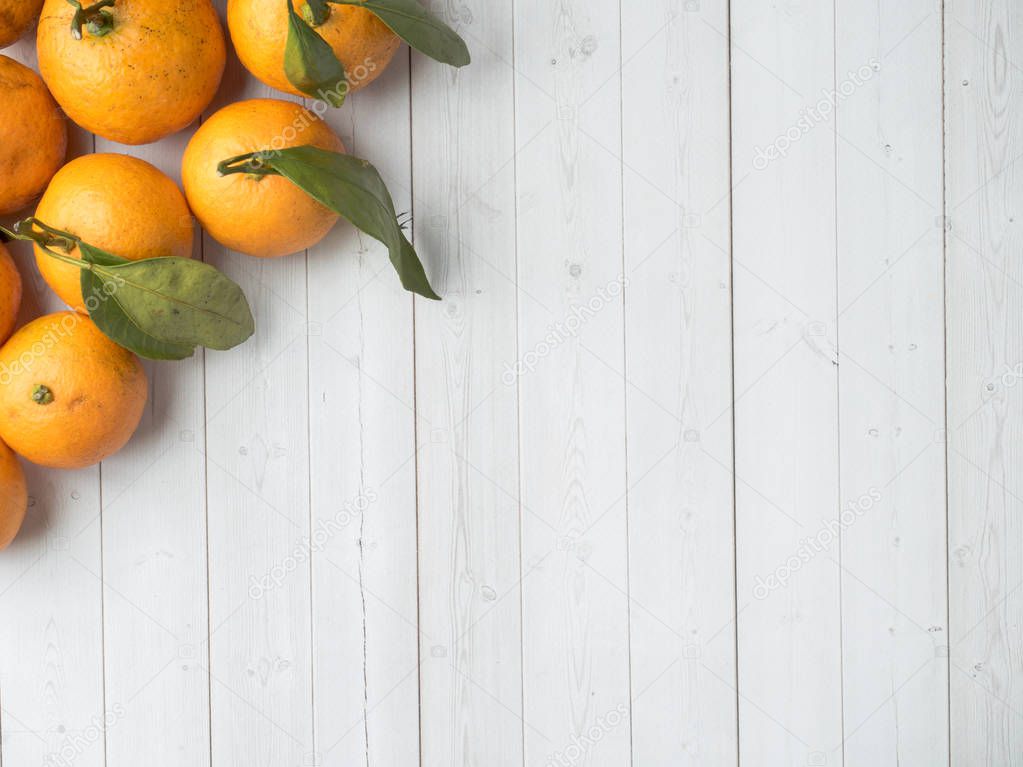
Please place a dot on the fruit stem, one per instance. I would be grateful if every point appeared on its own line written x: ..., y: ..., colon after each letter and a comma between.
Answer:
x: 95, y: 18
x: 42, y: 394
x: 25, y: 231
x: 253, y: 164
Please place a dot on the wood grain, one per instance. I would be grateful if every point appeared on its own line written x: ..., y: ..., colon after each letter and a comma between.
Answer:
x: 362, y: 463
x: 891, y: 355
x: 572, y: 393
x: 469, y: 515
x: 786, y: 384
x: 676, y: 155
x: 985, y: 413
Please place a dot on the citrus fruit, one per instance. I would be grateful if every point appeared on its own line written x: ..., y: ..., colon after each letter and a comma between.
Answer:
x: 120, y: 204
x: 10, y: 294
x: 33, y: 136
x: 13, y: 496
x: 16, y: 16
x: 259, y: 30
x: 69, y: 396
x: 143, y: 69
x: 263, y: 216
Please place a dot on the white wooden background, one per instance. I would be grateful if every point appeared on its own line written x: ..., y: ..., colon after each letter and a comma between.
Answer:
x: 365, y: 539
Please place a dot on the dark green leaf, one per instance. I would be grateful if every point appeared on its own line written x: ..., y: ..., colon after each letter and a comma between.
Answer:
x: 111, y: 318
x: 94, y: 255
x: 353, y: 188
x: 414, y: 24
x: 161, y: 308
x: 310, y: 63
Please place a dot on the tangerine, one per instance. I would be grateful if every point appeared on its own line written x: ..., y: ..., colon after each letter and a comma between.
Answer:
x: 69, y: 396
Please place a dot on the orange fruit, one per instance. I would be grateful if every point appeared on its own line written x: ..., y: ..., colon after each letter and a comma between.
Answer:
x: 259, y: 31
x: 10, y: 294
x: 120, y: 204
x: 263, y: 216
x: 16, y: 16
x: 13, y: 496
x: 150, y: 74
x: 69, y: 396
x: 33, y: 136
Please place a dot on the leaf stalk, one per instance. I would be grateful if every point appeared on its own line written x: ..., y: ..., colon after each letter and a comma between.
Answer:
x: 252, y: 164
x: 45, y: 238
x: 95, y: 18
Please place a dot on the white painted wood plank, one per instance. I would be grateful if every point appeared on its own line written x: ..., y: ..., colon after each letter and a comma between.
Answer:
x: 260, y: 647
x: 463, y: 151
x: 154, y: 547
x: 51, y: 644
x: 786, y: 415
x: 571, y: 344
x: 362, y: 463
x: 891, y: 384
x: 985, y: 348
x: 678, y: 322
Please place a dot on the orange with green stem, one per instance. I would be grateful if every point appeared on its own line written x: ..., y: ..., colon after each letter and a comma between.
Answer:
x: 161, y: 307
x: 119, y: 204
x: 69, y: 396
x: 268, y: 177
x: 328, y: 48
x: 132, y: 71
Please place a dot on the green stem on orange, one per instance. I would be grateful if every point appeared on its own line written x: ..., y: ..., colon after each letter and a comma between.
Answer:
x: 42, y: 394
x: 252, y: 164
x: 44, y: 239
x: 95, y: 18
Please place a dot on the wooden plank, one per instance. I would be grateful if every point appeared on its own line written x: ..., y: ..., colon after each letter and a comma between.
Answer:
x: 891, y: 383
x: 362, y: 463
x: 260, y: 647
x: 51, y: 645
x: 463, y: 152
x: 678, y: 321
x: 786, y: 412
x: 154, y: 563
x: 571, y: 347
x: 985, y: 411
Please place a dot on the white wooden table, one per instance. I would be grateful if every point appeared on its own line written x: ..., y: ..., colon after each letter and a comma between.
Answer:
x: 712, y: 451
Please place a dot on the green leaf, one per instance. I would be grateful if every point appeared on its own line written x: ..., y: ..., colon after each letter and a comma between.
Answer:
x: 111, y: 318
x: 162, y: 308
x: 310, y: 64
x: 114, y: 322
x: 414, y: 24
x: 94, y: 255
x: 354, y: 189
